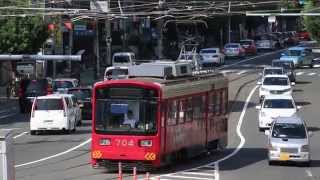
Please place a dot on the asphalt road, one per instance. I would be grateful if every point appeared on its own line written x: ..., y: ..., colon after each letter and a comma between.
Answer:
x: 66, y: 157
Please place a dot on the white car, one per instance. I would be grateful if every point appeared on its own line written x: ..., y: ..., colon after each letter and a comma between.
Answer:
x: 53, y: 112
x: 212, y: 56
x: 274, y: 106
x: 61, y: 85
x: 116, y: 72
x: 275, y: 84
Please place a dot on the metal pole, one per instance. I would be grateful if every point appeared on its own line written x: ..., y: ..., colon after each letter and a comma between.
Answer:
x: 70, y: 47
x: 108, y: 41
x: 160, y: 39
x: 229, y: 23
x: 97, y: 49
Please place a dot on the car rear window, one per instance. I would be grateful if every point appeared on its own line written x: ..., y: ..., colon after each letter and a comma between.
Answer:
x: 278, y: 103
x: 275, y: 81
x: 286, y: 130
x: 232, y: 46
x: 121, y: 59
x: 208, y: 51
x: 34, y: 87
x: 49, y: 104
x: 61, y: 84
x: 272, y: 71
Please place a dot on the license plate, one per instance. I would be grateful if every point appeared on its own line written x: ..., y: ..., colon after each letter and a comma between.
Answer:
x: 284, y: 157
x: 48, y: 121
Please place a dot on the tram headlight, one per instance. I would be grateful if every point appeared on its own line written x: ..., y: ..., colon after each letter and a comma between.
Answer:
x: 146, y: 143
x: 105, y: 142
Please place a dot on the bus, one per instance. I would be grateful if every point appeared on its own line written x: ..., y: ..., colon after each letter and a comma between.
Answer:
x: 175, y: 119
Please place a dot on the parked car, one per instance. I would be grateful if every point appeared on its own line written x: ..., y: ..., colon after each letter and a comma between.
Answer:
x: 300, y: 56
x: 83, y: 95
x: 212, y: 56
x: 31, y: 88
x: 288, y: 140
x: 303, y: 36
x: 61, y: 85
x: 53, y: 112
x: 273, y: 106
x: 275, y: 84
x: 287, y: 66
x: 116, y: 72
x: 234, y: 50
x: 249, y: 46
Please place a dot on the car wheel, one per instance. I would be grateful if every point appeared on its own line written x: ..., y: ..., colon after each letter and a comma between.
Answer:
x: 32, y: 132
x: 271, y: 163
x: 261, y: 129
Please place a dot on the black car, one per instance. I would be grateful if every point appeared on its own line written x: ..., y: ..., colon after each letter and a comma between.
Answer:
x: 288, y: 67
x: 83, y: 95
x: 31, y: 88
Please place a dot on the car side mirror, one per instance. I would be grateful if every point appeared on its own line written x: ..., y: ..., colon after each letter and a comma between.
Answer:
x: 259, y: 83
x: 299, y: 107
x: 267, y: 132
x: 310, y: 133
x: 258, y: 107
x: 293, y: 83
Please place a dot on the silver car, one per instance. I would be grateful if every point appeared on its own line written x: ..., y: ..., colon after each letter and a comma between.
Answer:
x: 288, y: 140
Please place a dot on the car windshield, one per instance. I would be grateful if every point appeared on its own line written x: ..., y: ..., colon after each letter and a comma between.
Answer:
x: 272, y: 71
x: 278, y: 103
x: 49, y: 104
x: 277, y: 81
x: 287, y: 130
x: 61, y: 84
x: 81, y: 94
x: 126, y: 111
x: 208, y: 51
x: 121, y: 59
x: 293, y: 53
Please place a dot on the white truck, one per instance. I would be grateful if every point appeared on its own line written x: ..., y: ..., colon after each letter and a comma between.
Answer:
x: 123, y: 59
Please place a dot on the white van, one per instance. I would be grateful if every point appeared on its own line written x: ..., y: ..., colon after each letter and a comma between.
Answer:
x: 123, y: 59
x: 53, y: 112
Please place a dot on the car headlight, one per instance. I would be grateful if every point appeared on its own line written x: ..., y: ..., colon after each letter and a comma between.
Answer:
x: 305, y: 148
x: 272, y: 148
x: 286, y: 90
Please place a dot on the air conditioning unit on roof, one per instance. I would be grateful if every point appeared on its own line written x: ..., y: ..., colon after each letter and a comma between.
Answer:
x: 162, y: 69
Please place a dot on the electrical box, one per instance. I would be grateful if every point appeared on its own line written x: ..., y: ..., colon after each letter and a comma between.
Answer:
x: 7, y: 170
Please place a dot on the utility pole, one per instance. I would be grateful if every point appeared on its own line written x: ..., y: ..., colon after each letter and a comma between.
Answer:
x: 229, y: 23
x: 108, y: 38
x: 70, y: 47
x: 97, y: 49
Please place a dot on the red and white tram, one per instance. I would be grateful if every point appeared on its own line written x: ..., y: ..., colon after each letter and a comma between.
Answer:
x: 173, y: 119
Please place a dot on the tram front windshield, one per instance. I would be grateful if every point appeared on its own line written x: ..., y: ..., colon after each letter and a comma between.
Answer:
x: 126, y: 110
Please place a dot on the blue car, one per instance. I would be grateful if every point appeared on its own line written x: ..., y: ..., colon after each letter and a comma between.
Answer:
x: 300, y: 56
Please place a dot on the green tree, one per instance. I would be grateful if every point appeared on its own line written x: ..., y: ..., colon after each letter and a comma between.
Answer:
x: 21, y: 34
x: 312, y: 23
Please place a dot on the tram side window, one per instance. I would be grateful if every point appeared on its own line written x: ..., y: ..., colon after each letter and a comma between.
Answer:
x: 182, y: 111
x: 212, y: 102
x: 172, y: 112
x: 197, y: 107
x: 189, y: 110
x: 218, y: 103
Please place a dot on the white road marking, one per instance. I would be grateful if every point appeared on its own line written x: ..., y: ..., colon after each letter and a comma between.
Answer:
x: 311, y: 74
x: 7, y: 115
x: 187, y: 177
x: 316, y: 65
x: 309, y: 173
x: 216, y: 172
x: 198, y: 173
x: 56, y: 155
x: 241, y: 72
x: 299, y: 73
x: 19, y: 135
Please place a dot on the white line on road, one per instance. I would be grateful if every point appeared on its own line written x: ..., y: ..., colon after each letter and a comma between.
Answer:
x: 299, y: 73
x: 56, y: 155
x: 197, y: 173
x: 19, y: 135
x: 311, y: 74
x: 309, y: 173
x: 186, y: 177
x: 8, y: 115
x: 241, y: 72
x: 316, y: 65
x: 216, y: 172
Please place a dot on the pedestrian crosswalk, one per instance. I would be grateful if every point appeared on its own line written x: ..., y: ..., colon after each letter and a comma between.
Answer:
x: 308, y: 73
x: 201, y: 173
